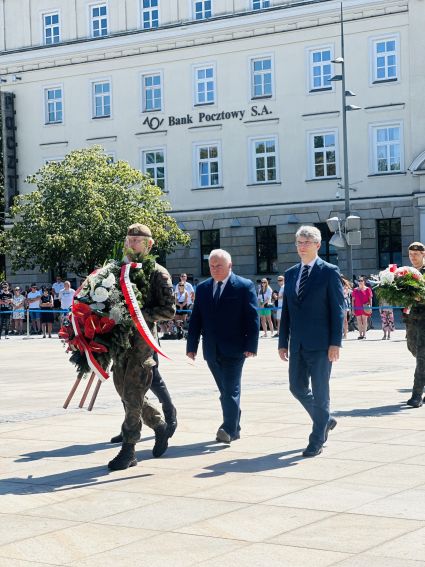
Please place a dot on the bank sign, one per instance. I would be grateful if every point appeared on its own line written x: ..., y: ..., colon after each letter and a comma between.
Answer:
x: 204, y: 118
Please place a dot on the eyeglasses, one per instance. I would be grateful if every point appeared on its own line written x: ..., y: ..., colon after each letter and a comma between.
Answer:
x: 300, y: 243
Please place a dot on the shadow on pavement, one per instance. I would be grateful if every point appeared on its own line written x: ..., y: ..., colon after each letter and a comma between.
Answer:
x: 372, y: 412
x: 255, y: 465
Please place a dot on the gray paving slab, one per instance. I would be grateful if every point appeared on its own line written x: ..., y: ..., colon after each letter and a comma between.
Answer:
x: 257, y: 502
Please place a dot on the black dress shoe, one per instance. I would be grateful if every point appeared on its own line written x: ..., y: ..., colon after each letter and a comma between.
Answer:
x: 312, y: 451
x: 415, y: 402
x: 332, y: 423
x: 126, y: 458
x: 161, y: 440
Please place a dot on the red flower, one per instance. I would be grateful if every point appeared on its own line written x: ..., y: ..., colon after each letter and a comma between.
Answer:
x: 81, y: 310
x: 66, y: 333
x: 97, y: 347
x: 106, y: 325
x: 92, y: 326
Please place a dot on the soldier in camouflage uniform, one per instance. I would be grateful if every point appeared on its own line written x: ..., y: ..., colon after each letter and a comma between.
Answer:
x: 133, y: 373
x: 415, y: 330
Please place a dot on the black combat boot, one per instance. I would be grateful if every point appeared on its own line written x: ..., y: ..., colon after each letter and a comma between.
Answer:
x: 116, y: 438
x: 126, y: 458
x: 161, y: 440
x: 171, y: 420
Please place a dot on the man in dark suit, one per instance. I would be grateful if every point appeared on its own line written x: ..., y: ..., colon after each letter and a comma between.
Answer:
x: 225, y: 313
x: 311, y: 324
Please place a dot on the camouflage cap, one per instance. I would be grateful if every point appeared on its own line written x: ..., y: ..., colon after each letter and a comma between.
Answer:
x: 139, y: 230
x: 417, y: 246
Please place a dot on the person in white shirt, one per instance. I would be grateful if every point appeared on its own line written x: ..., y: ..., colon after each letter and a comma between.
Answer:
x: 33, y: 299
x: 281, y: 282
x: 265, y: 301
x: 188, y: 287
x: 66, y: 295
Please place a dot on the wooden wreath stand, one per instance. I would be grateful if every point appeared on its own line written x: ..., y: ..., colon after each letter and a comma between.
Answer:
x: 85, y: 393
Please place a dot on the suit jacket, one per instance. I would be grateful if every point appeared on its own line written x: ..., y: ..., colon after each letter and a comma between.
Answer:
x: 315, y: 322
x: 232, y: 327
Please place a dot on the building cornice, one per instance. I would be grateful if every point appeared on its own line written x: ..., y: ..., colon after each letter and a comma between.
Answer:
x: 181, y: 35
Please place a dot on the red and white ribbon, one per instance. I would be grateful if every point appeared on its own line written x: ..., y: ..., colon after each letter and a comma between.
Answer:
x: 134, y: 309
x: 100, y: 372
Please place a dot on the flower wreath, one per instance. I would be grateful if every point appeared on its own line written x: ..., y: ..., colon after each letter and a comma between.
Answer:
x: 105, y: 312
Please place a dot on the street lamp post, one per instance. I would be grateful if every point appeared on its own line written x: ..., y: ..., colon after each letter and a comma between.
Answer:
x: 345, y: 181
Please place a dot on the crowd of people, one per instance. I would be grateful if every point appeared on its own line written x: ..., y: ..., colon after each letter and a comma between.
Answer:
x: 44, y: 305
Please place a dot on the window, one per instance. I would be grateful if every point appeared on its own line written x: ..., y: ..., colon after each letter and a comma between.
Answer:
x: 204, y: 85
x: 207, y: 166
x: 150, y: 14
x: 326, y: 251
x: 320, y: 69
x: 153, y: 164
x: 260, y: 4
x: 389, y: 242
x: 202, y: 9
x: 266, y: 248
x: 385, y: 58
x: 53, y: 105
x: 387, y: 148
x: 51, y: 28
x: 151, y: 92
x: 261, y: 78
x: 99, y: 20
x: 323, y: 155
x: 264, y: 159
x: 210, y: 240
x: 102, y: 99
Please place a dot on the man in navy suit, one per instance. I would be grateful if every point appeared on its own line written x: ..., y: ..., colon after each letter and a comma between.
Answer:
x: 225, y: 313
x: 311, y: 324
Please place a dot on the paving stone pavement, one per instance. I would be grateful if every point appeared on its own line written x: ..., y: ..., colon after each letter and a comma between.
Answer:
x: 254, y: 503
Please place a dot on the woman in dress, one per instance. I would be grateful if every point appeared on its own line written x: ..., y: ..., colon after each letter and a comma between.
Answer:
x: 362, y: 299
x: 18, y: 315
x: 347, y: 289
x: 47, y: 317
x: 265, y: 300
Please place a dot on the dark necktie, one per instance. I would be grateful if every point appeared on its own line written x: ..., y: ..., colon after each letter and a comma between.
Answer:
x: 216, y: 297
x: 303, y: 281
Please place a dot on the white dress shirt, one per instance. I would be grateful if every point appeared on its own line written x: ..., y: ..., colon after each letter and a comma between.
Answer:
x: 224, y: 282
x: 310, y: 266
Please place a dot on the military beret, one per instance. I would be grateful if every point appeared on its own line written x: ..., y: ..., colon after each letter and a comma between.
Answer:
x: 417, y: 246
x: 139, y: 230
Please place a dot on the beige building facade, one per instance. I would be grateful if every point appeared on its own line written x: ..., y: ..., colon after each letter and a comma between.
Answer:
x: 228, y: 104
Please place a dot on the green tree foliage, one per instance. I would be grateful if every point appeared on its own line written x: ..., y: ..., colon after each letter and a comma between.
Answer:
x: 80, y: 210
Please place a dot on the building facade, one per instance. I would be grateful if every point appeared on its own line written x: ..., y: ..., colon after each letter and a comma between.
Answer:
x: 229, y: 106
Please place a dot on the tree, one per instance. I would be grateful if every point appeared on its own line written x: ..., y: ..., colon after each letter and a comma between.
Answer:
x: 80, y: 210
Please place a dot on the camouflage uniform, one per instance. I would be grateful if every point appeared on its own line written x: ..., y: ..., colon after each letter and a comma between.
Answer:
x: 133, y: 373
x: 415, y: 335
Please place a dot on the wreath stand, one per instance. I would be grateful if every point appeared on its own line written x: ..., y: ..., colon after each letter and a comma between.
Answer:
x: 85, y: 393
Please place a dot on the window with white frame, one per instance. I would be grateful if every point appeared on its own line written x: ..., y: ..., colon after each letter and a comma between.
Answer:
x: 101, y: 94
x: 261, y: 77
x: 204, y: 85
x: 385, y: 55
x: 202, y: 9
x: 323, y: 154
x: 51, y: 28
x: 264, y: 160
x: 151, y: 92
x: 320, y: 69
x: 99, y: 20
x: 150, y: 13
x: 153, y: 164
x: 207, y: 165
x: 387, y: 148
x: 260, y: 4
x: 53, y: 102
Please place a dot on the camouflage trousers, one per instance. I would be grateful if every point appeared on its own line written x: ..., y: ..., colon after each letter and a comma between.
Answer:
x: 132, y: 379
x: 415, y: 335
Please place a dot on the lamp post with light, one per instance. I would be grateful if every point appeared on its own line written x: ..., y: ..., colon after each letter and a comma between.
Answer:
x: 345, y: 108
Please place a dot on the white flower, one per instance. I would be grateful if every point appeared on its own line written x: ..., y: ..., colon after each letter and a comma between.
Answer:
x: 98, y: 306
x: 99, y: 295
x: 386, y: 277
x: 116, y: 313
x: 109, y: 281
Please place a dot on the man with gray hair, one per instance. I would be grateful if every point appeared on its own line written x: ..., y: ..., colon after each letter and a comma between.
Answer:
x: 225, y: 314
x: 311, y: 331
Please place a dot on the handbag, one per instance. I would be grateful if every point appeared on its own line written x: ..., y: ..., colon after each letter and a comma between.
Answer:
x: 367, y: 309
